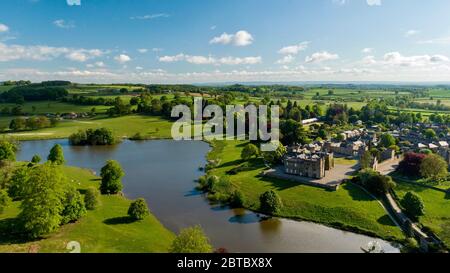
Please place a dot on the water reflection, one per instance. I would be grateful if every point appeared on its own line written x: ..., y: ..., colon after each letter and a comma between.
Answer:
x: 163, y: 172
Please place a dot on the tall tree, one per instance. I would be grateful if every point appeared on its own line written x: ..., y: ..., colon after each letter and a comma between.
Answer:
x: 56, y: 155
x: 111, y: 174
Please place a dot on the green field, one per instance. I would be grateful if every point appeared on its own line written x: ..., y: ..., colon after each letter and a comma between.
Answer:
x: 348, y: 208
x: 106, y: 229
x: 54, y: 107
x: 150, y: 127
x: 437, y: 209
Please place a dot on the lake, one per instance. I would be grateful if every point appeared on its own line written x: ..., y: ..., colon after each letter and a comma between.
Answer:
x: 164, y: 173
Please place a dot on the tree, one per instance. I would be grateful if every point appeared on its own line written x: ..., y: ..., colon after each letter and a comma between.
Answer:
x: 387, y: 140
x: 18, y: 183
x: 410, y: 165
x: 276, y: 156
x: 111, y: 175
x: 42, y: 205
x: 270, y: 202
x: 430, y: 133
x: 191, y: 240
x: 376, y: 183
x: 434, y: 166
x: 249, y: 151
x: 237, y: 199
x: 74, y: 207
x: 413, y: 205
x: 7, y: 151
x: 91, y: 198
x: 4, y: 200
x: 36, y: 159
x: 138, y: 209
x: 56, y: 155
x: 366, y: 160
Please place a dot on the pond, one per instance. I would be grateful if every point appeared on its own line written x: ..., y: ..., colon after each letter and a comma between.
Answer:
x: 164, y: 173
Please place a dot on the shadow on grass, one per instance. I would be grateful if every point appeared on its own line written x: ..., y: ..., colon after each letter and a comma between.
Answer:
x: 119, y: 220
x: 356, y: 193
x: 386, y: 220
x: 447, y: 195
x: 10, y: 232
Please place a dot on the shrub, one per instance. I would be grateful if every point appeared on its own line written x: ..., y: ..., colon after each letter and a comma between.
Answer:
x: 91, y: 198
x: 249, y: 151
x: 74, y: 207
x: 237, y: 199
x: 410, y: 165
x: 270, y: 202
x: 4, y: 200
x: 413, y: 205
x: 138, y: 209
x: 191, y: 240
x: 376, y: 183
x: 7, y: 151
x: 36, y: 159
x: 111, y: 174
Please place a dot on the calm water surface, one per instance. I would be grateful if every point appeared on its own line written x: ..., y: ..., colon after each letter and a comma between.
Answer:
x: 164, y: 173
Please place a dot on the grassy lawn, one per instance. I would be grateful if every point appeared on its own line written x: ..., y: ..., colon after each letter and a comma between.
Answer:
x: 437, y: 208
x: 44, y: 107
x: 106, y: 229
x: 348, y: 208
x: 126, y: 126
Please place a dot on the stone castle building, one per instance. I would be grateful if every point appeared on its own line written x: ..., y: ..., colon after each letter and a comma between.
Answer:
x: 309, y: 164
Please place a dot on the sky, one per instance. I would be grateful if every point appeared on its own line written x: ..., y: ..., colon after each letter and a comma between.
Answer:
x: 212, y: 41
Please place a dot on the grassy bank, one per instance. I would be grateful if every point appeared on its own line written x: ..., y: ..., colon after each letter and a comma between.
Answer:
x: 437, y: 208
x: 106, y: 229
x: 349, y: 208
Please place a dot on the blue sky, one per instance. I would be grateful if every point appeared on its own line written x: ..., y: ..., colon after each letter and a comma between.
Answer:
x: 191, y: 41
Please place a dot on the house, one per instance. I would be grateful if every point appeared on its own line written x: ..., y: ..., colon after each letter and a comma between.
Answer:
x: 312, y: 165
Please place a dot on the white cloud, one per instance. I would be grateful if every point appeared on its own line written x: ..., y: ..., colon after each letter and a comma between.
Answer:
x: 395, y: 58
x: 210, y: 60
x: 369, y: 60
x: 150, y: 16
x: 74, y: 2
x: 213, y: 27
x: 61, y: 23
x: 438, y: 41
x: 286, y: 59
x: 3, y: 28
x: 44, y: 53
x: 411, y: 32
x: 294, y: 49
x: 96, y: 64
x: 367, y: 50
x: 240, y: 38
x: 122, y: 58
x: 157, y: 49
x: 171, y: 59
x: 340, y: 2
x: 142, y: 50
x: 321, y: 57
x: 374, y: 2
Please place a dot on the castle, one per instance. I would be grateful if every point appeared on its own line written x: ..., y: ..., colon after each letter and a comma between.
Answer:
x: 307, y: 163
